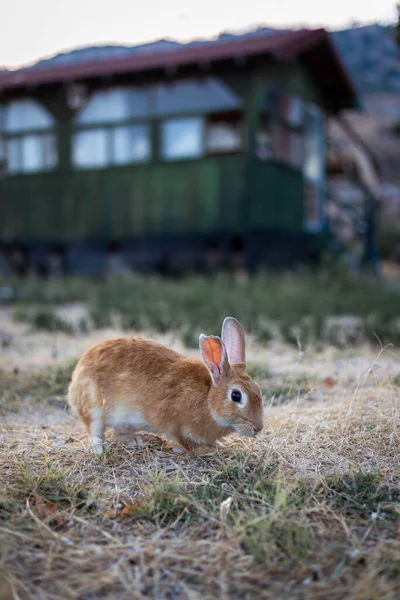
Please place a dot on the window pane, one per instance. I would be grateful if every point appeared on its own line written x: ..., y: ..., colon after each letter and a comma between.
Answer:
x: 223, y: 137
x: 182, y: 138
x: 291, y: 110
x: 13, y: 160
x: 117, y: 104
x: 90, y: 148
x: 314, y: 162
x: 314, y: 168
x: 32, y: 156
x: 208, y: 94
x: 131, y: 144
x: 26, y: 114
x: 49, y: 149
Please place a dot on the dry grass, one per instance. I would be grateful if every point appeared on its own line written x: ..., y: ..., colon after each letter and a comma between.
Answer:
x: 309, y: 510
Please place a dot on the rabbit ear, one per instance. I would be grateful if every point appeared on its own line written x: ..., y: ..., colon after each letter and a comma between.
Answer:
x: 214, y: 355
x: 234, y: 340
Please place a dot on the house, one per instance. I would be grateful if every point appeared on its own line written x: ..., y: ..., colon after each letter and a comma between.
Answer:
x: 204, y: 155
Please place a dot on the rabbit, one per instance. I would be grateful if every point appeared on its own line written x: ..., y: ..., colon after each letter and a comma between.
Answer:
x: 138, y: 384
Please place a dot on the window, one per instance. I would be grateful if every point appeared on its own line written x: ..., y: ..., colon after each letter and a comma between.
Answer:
x: 281, y: 130
x: 182, y: 138
x: 314, y: 167
x: 207, y: 94
x: 38, y: 153
x: 291, y: 110
x: 112, y: 143
x: 113, y: 128
x: 224, y: 133
x: 116, y: 104
x: 28, y: 145
x: 223, y: 137
x: 265, y: 139
x: 89, y: 148
x: 23, y: 115
x: 122, y: 145
x: 131, y: 144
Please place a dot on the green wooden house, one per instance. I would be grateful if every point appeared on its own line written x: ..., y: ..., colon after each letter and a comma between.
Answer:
x: 189, y: 158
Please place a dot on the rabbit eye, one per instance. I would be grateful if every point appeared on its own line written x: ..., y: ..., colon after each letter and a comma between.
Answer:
x: 236, y: 395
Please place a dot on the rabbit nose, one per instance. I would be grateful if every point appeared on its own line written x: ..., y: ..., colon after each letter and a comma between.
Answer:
x: 256, y: 430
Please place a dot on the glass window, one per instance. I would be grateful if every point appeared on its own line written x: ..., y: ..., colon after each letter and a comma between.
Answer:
x: 26, y: 114
x: 89, y: 149
x: 131, y: 144
x: 223, y: 136
x: 314, y: 167
x: 314, y: 160
x: 291, y: 110
x: 182, y: 138
x: 31, y: 156
x: 113, y: 105
x: 31, y: 153
x: 38, y: 153
x: 195, y: 95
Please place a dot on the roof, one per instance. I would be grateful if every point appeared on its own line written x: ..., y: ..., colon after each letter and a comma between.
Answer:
x: 313, y: 47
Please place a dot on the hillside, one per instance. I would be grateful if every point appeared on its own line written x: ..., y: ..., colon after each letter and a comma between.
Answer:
x: 372, y: 57
x: 369, y: 52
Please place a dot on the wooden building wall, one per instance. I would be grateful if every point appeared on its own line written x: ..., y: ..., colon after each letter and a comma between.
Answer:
x: 233, y: 193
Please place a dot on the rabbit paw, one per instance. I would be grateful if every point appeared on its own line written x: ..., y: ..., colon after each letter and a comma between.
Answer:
x: 96, y: 446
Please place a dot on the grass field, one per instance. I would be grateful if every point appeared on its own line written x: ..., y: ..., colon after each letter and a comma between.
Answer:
x: 310, y: 509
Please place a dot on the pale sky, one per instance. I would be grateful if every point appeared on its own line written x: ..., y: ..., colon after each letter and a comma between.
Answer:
x: 33, y: 29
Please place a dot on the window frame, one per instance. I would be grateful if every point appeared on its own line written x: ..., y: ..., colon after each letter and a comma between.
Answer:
x: 272, y: 122
x: 154, y: 121
x: 318, y: 185
x: 18, y: 136
x: 202, y: 139
x: 232, y: 117
x: 109, y: 129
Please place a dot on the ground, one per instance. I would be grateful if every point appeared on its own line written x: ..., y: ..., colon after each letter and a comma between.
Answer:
x: 310, y: 509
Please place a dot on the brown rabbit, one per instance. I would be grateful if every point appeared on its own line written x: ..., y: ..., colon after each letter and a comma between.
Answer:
x: 138, y: 384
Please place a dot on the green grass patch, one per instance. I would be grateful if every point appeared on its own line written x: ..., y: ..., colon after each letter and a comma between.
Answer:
x: 363, y: 495
x: 50, y: 483
x: 332, y: 305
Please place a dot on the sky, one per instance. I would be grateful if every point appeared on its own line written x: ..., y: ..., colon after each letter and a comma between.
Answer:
x: 33, y: 29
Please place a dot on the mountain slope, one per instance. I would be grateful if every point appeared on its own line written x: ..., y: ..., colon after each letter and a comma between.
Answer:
x: 369, y: 52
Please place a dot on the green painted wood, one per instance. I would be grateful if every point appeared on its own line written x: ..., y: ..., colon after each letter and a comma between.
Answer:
x: 112, y: 204
x: 223, y: 193
x: 276, y: 198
